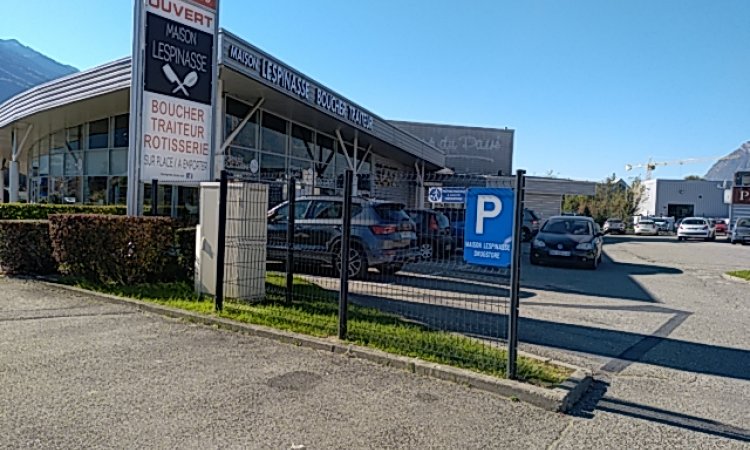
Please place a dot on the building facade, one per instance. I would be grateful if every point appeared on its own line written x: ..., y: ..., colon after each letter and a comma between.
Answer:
x: 683, y: 198
x: 468, y: 150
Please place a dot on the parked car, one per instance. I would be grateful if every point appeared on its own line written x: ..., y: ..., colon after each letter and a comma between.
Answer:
x: 696, y: 227
x: 740, y: 231
x: 383, y: 235
x: 721, y: 226
x: 434, y: 236
x: 569, y: 240
x: 531, y: 223
x: 646, y: 227
x: 662, y: 224
x: 614, y: 226
x: 457, y: 219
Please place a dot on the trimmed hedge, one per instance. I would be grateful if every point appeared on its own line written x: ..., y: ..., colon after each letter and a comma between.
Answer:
x: 25, y: 247
x: 42, y: 211
x: 185, y: 252
x: 109, y: 249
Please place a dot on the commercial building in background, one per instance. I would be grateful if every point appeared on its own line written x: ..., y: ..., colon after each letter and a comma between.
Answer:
x: 683, y: 198
x: 468, y: 150
x: 67, y: 141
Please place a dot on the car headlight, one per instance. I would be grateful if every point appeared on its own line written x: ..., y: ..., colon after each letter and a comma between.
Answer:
x: 539, y: 244
x: 585, y: 246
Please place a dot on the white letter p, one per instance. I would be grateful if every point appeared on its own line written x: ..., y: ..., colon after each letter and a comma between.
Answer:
x: 483, y: 213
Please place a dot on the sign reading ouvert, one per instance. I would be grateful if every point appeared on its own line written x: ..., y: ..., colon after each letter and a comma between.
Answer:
x: 173, y: 91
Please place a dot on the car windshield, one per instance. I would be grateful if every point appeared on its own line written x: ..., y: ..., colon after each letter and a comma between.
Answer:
x: 743, y: 223
x: 693, y: 222
x: 567, y: 226
x: 614, y: 221
x: 645, y: 222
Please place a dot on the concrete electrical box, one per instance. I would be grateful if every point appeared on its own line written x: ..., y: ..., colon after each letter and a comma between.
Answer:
x: 246, y: 240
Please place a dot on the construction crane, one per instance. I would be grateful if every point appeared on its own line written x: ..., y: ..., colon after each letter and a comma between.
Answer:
x: 651, y: 165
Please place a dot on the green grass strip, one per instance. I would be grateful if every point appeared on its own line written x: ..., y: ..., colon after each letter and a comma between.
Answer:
x: 314, y: 312
x: 744, y: 274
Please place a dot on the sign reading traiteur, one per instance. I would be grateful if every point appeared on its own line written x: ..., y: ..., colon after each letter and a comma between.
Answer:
x: 179, y: 77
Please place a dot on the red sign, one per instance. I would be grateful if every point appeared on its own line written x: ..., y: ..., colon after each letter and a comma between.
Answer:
x: 211, y: 4
x: 741, y: 195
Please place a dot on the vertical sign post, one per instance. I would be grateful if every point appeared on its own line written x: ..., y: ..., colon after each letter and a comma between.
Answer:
x: 515, y: 275
x: 173, y: 92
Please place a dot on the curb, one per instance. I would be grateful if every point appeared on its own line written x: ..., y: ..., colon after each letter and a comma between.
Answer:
x: 726, y: 276
x: 559, y: 399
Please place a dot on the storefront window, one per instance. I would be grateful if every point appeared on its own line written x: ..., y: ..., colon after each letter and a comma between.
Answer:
x: 302, y: 171
x: 74, y: 163
x: 56, y: 164
x: 239, y: 158
x: 99, y: 134
x: 118, y: 162
x: 73, y: 138
x: 235, y: 114
x: 303, y: 145
x: 118, y: 190
x: 273, y: 134
x: 122, y: 124
x: 325, y: 164
x: 272, y: 167
x: 97, y: 162
x: 57, y: 142
x: 96, y: 190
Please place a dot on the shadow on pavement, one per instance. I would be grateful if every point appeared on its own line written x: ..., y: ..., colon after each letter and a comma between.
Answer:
x: 597, y: 400
x: 611, y: 280
x: 624, y: 347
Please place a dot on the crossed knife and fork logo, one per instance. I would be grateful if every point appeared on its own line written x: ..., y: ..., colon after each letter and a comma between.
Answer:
x: 182, y: 85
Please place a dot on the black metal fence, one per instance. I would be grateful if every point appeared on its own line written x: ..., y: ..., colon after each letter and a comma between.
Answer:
x: 372, y: 259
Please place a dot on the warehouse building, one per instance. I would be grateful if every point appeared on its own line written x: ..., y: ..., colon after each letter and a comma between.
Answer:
x: 683, y: 198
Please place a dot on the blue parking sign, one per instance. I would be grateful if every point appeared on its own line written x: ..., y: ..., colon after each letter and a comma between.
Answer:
x: 488, y: 235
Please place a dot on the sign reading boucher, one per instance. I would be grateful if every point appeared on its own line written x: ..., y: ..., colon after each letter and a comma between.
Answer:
x: 488, y: 233
x: 179, y: 75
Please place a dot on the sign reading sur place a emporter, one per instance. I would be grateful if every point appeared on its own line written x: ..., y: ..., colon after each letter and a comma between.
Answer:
x: 176, y: 108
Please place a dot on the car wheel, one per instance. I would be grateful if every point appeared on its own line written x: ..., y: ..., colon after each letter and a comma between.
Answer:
x: 594, y: 264
x: 426, y: 251
x: 525, y: 235
x: 680, y: 238
x: 357, y: 262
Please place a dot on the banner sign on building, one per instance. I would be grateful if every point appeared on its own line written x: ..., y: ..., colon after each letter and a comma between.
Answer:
x: 177, y: 90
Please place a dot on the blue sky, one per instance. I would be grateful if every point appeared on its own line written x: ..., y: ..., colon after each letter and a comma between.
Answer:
x: 588, y: 85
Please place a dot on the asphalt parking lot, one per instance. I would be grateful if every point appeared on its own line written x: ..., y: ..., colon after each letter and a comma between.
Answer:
x: 665, y: 334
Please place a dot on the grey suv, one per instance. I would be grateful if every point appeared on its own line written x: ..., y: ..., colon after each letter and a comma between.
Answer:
x: 383, y: 235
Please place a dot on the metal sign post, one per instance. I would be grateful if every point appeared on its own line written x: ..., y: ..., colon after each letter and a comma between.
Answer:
x: 346, y: 233
x: 515, y: 275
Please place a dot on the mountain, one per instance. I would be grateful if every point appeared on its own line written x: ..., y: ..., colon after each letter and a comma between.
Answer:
x: 22, y: 68
x: 725, y: 168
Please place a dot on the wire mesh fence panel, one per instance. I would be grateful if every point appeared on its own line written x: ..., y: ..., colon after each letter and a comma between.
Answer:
x: 417, y: 272
x: 410, y: 288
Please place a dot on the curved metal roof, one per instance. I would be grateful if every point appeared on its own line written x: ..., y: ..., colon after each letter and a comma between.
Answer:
x: 91, y: 83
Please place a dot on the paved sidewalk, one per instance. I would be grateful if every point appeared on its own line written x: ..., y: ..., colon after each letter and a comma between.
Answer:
x: 80, y: 372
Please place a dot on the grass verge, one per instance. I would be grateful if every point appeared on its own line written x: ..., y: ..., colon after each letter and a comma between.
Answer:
x: 744, y: 274
x: 314, y: 312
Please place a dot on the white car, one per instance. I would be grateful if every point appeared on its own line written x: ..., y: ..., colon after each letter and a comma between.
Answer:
x: 646, y: 226
x: 696, y: 227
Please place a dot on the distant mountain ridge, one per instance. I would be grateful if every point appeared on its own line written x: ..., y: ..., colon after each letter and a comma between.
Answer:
x: 725, y: 168
x: 22, y: 68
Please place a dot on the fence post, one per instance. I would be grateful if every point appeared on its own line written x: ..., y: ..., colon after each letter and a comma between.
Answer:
x: 292, y: 194
x: 221, y: 241
x: 346, y: 232
x: 515, y: 274
x: 154, y: 197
